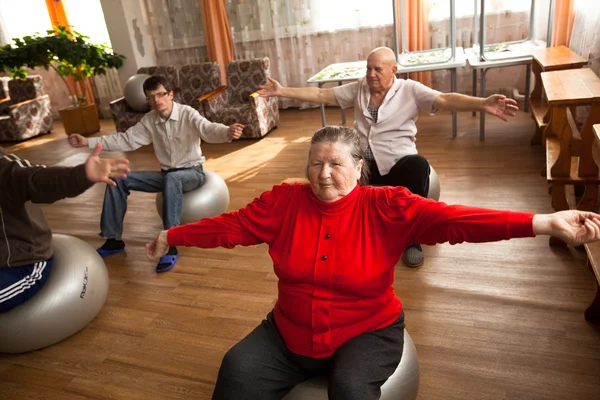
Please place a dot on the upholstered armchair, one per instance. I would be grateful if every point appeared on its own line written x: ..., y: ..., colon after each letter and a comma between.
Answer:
x: 239, y: 102
x: 24, y: 109
x: 190, y: 82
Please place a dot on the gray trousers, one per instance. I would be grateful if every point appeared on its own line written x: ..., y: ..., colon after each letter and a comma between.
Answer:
x: 261, y: 367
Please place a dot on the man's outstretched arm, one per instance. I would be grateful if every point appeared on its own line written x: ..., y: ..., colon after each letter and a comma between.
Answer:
x: 312, y: 94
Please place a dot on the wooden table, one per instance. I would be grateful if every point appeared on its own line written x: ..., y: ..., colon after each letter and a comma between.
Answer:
x: 544, y: 60
x: 352, y: 71
x: 569, y: 152
x: 451, y: 64
x: 520, y: 54
x: 340, y: 73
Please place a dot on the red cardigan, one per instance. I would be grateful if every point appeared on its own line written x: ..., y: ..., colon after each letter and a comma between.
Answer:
x: 335, y: 261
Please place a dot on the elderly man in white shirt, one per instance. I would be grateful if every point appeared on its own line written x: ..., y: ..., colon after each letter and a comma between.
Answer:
x: 385, y: 112
x: 176, y: 131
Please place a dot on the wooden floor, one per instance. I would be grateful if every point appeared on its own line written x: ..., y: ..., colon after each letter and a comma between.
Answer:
x: 490, y: 321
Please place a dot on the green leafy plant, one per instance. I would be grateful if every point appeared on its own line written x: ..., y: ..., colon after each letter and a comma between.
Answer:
x: 70, y: 54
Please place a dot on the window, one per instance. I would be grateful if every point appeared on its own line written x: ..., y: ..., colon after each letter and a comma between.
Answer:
x: 87, y: 18
x: 19, y: 23
x: 333, y: 15
x: 440, y: 9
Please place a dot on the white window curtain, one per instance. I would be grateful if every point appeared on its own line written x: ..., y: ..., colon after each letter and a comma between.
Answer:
x: 301, y: 37
x: 23, y: 18
x: 585, y: 38
x: 178, y: 31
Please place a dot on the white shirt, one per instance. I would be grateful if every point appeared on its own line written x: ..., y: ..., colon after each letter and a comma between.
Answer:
x: 176, y: 139
x: 393, y: 135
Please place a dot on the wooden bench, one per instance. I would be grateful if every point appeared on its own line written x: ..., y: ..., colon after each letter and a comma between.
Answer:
x: 593, y: 262
x: 570, y: 156
x: 544, y: 60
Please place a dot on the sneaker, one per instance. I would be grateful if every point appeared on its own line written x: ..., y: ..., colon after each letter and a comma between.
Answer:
x: 413, y: 256
x: 110, y: 247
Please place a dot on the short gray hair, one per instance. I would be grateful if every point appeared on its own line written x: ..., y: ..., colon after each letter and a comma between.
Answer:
x: 347, y: 136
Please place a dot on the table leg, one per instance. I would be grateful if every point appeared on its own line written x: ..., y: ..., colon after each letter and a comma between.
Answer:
x: 482, y: 113
x: 474, y: 86
x: 587, y: 165
x: 527, y: 84
x: 559, y: 203
x: 323, y: 121
x: 343, y: 111
x: 453, y: 90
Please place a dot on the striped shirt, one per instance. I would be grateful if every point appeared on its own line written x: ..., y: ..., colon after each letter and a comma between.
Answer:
x: 176, y: 140
x: 368, y: 152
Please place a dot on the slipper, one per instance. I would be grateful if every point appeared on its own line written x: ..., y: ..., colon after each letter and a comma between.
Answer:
x: 169, y: 261
x: 105, y: 253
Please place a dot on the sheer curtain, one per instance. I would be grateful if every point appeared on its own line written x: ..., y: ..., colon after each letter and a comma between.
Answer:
x: 585, y: 37
x: 301, y: 37
x: 177, y: 30
x: 585, y: 40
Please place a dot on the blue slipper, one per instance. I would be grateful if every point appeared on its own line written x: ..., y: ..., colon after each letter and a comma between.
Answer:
x: 105, y: 253
x: 169, y: 262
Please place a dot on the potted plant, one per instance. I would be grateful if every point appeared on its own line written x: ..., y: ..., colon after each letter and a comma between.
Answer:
x: 74, y: 58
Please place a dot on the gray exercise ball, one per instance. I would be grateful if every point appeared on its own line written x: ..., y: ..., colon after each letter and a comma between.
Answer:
x: 73, y: 295
x: 209, y: 200
x: 434, y: 185
x: 134, y: 93
x: 402, y: 385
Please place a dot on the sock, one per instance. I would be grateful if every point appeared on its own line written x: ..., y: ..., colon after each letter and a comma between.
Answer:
x: 172, y: 251
x: 113, y: 244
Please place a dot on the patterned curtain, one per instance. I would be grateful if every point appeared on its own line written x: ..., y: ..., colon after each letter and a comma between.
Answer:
x: 178, y: 31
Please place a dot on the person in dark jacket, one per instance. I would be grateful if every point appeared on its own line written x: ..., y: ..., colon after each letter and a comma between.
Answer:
x: 25, y: 236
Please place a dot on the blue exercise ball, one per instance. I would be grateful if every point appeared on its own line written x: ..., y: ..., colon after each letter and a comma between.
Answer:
x: 134, y: 93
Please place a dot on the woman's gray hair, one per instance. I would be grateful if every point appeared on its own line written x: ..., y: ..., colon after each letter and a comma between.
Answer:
x: 347, y: 136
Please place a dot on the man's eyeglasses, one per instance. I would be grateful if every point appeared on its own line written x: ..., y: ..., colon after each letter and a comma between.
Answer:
x: 156, y: 96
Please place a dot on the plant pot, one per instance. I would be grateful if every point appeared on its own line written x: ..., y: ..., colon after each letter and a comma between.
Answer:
x: 83, y: 120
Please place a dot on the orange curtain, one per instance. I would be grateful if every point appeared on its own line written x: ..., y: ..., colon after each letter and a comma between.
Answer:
x: 416, y: 23
x: 58, y: 17
x: 217, y: 33
x: 564, y: 16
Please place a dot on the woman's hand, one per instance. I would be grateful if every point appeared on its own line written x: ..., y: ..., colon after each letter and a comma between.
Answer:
x: 573, y: 227
x: 158, y: 248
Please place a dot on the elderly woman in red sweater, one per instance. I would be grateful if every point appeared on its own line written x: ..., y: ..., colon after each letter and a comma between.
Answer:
x: 334, y: 245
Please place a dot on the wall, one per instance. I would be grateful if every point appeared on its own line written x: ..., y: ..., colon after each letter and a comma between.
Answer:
x: 130, y: 34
